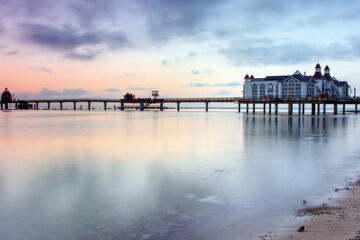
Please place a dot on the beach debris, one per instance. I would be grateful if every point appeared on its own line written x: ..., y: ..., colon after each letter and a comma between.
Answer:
x: 336, y: 190
x: 301, y: 229
x: 304, y: 202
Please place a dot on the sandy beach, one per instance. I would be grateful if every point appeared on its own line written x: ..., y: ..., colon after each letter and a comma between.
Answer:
x: 339, y: 220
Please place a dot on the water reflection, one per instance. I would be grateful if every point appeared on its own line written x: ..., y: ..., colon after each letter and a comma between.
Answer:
x: 167, y: 175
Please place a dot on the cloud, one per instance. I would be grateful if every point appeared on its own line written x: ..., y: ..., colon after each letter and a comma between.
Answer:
x: 197, y: 72
x: 44, y: 69
x: 2, y: 28
x: 221, y: 93
x: 141, y: 88
x: 168, y: 19
x: 291, y: 52
x: 11, y: 53
x: 112, y: 90
x: 228, y: 84
x: 165, y: 63
x: 128, y: 75
x: 85, y: 56
x: 69, y: 39
x: 48, y: 93
x: 192, y: 54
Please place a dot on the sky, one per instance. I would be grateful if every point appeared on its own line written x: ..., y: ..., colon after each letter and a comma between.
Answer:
x: 183, y: 48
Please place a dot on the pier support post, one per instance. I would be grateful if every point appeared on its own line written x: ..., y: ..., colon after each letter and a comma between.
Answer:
x: 335, y: 108
x: 61, y: 105
x: 356, y: 110
x: 247, y: 107
x: 253, y: 108
x: 161, y: 106
x: 48, y: 104
x: 122, y: 106
x: 239, y: 106
x: 89, y: 106
x: 16, y: 106
x: 344, y: 110
x: 324, y: 109
x: 269, y: 108
x: 290, y: 106
x: 206, y: 106
x: 74, y: 105
x: 141, y: 106
x: 299, y: 109
x: 264, y: 108
x: 276, y: 108
x: 105, y: 106
x: 303, y: 109
x: 36, y: 105
x: 318, y: 109
x: 1, y: 106
x: 178, y: 106
x: 313, y: 109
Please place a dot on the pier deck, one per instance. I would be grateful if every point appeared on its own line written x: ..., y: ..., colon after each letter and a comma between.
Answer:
x: 146, y: 102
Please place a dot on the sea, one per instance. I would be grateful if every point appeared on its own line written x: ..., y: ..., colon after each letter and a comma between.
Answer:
x: 189, y: 175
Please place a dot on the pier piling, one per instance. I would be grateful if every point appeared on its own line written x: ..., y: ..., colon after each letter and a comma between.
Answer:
x: 313, y: 109
x: 290, y: 107
x: 264, y: 108
x: 206, y: 106
x: 161, y: 106
x: 324, y: 109
x: 253, y: 108
x: 122, y: 106
x: 276, y: 108
x: 269, y: 108
x: 247, y: 107
x: 344, y: 110
x: 335, y: 109
x: 239, y: 106
x: 303, y: 109
x: 178, y: 106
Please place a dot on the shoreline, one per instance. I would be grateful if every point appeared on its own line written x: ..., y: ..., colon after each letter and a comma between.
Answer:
x: 338, y: 220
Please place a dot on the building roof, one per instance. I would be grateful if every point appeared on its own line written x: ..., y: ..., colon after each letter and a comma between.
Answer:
x: 299, y: 76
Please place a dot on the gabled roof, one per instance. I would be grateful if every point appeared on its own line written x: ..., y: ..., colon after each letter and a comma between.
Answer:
x: 341, y: 83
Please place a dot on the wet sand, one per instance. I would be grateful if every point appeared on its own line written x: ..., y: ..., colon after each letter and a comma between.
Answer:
x: 339, y: 220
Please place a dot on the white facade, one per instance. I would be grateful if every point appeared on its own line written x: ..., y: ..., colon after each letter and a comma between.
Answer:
x: 296, y: 86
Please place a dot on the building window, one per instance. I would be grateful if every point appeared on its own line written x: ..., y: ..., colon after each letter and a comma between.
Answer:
x: 292, y: 89
x: 270, y: 90
x: 310, y: 89
x: 262, y: 90
x: 254, y: 91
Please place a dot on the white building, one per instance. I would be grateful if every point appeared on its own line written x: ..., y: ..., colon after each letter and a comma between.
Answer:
x: 296, y: 86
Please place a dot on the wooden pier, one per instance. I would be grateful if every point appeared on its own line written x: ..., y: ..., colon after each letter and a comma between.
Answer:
x: 269, y: 106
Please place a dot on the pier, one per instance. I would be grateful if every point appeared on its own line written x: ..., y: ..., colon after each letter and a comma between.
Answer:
x: 268, y: 106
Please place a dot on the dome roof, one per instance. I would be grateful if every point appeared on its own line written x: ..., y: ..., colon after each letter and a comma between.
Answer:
x: 252, y: 76
x: 317, y: 66
x: 6, y: 96
x: 246, y: 76
x: 327, y: 67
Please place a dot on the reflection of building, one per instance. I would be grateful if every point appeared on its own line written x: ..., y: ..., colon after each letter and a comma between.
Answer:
x: 296, y: 86
x: 6, y: 98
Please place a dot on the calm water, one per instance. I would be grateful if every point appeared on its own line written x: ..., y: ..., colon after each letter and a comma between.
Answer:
x: 166, y: 175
